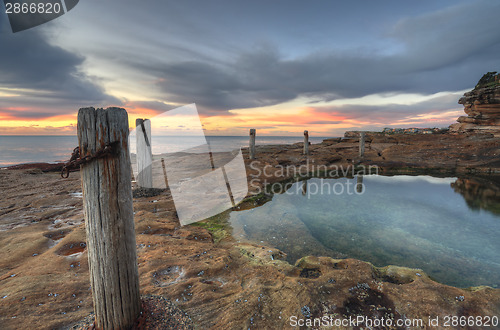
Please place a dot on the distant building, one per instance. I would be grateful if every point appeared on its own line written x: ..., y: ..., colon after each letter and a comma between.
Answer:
x: 414, y: 130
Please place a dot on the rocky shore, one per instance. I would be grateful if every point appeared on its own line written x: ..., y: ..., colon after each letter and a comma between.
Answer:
x: 202, y: 270
x: 482, y: 106
x: 225, y: 284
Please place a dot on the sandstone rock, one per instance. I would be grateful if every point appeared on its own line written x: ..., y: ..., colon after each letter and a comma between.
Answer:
x: 308, y: 262
x: 232, y: 284
x: 331, y: 141
x: 398, y: 275
x: 482, y: 106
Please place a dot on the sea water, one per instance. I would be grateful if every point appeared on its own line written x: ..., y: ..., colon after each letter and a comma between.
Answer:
x: 34, y: 149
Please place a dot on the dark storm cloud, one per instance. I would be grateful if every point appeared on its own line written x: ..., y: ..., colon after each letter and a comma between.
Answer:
x: 447, y: 50
x: 29, y: 62
x: 249, y: 82
x: 208, y: 53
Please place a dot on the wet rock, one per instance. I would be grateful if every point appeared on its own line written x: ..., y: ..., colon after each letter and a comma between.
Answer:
x: 367, y: 302
x: 398, y: 275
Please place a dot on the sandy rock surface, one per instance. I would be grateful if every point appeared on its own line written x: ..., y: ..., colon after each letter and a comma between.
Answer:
x: 218, y: 282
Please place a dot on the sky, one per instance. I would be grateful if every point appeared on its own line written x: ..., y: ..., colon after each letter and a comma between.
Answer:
x: 278, y: 66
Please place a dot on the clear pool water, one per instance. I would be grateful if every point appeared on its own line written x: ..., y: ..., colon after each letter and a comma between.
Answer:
x: 449, y: 227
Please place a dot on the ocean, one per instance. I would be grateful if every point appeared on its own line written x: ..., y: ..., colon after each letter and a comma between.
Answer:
x: 34, y: 149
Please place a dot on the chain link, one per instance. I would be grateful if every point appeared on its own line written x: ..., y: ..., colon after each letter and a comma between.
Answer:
x: 75, y: 161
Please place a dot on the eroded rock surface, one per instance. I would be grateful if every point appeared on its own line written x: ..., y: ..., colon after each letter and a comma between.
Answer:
x: 44, y: 278
x: 482, y: 106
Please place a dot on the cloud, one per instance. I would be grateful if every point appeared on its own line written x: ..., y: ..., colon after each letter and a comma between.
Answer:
x: 24, y: 114
x: 43, y: 74
x: 157, y: 106
x: 324, y: 122
x: 447, y: 50
x: 392, y: 113
x: 35, y: 130
x: 450, y: 36
x: 184, y: 57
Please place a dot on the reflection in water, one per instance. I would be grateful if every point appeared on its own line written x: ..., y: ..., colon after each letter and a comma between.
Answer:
x: 413, y: 221
x: 359, y: 183
x: 479, y: 193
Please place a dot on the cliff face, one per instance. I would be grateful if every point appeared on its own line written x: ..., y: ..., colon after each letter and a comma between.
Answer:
x: 482, y: 106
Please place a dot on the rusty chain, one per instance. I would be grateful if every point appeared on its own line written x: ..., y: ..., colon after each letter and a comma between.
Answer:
x: 75, y: 160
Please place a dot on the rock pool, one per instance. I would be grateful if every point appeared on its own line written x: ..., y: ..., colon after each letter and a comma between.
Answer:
x: 448, y: 227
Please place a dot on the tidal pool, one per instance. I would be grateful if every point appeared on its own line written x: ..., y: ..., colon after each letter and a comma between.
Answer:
x: 449, y: 227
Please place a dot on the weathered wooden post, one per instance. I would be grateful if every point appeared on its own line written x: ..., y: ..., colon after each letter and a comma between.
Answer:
x: 306, y: 143
x: 109, y: 217
x: 252, y: 143
x: 361, y: 144
x: 144, y: 153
